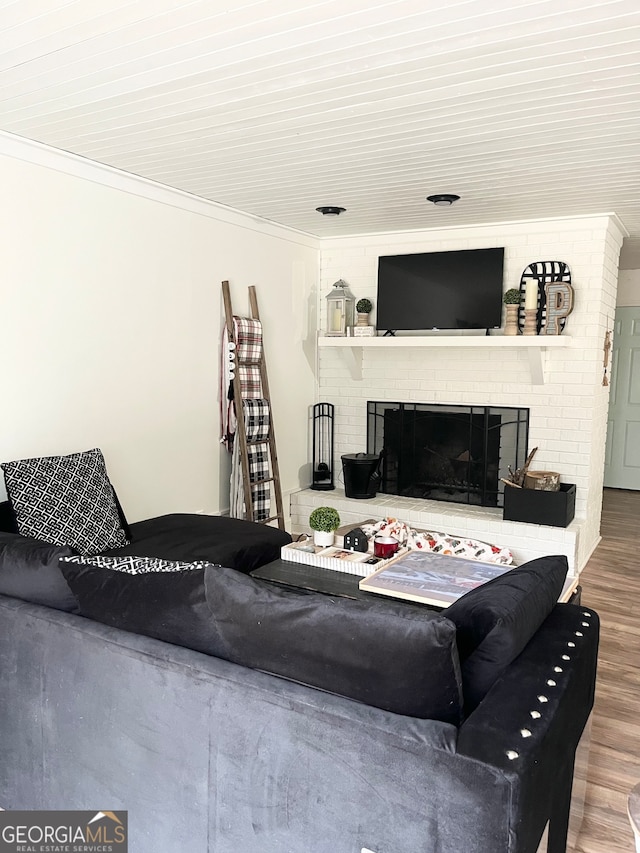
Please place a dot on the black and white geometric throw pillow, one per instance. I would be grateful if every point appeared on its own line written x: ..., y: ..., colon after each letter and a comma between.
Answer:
x: 135, y: 565
x: 65, y: 500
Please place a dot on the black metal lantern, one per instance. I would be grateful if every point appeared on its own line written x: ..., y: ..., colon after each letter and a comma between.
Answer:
x: 323, y: 447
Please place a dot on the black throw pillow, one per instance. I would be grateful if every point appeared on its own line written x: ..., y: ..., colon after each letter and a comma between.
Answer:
x: 400, y: 658
x: 495, y: 621
x: 29, y: 569
x: 7, y: 518
x: 146, y: 595
x: 66, y: 500
x: 383, y: 653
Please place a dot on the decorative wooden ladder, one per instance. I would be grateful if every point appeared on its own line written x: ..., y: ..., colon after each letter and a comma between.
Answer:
x: 241, y: 434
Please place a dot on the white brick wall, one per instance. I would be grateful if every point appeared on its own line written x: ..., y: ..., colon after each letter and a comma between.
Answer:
x: 482, y: 523
x: 567, y: 414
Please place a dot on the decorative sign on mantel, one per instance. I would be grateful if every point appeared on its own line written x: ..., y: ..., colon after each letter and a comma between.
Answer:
x: 559, y: 299
x: 545, y: 288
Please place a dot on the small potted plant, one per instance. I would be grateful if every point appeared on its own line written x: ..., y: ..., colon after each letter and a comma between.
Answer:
x: 363, y: 308
x: 511, y: 300
x: 324, y: 520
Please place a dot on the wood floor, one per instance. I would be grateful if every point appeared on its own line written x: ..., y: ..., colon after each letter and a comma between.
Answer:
x: 611, y: 585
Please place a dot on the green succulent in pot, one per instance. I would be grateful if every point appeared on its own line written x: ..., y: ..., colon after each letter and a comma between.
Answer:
x: 324, y: 518
x: 512, y: 296
x: 323, y: 521
x: 511, y: 300
x: 363, y: 307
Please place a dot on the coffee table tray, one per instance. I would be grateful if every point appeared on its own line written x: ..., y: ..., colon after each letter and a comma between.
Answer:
x: 334, y: 558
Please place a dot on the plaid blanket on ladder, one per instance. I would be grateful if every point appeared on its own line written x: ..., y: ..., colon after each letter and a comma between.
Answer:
x: 257, y: 419
x: 248, y: 338
x: 245, y: 353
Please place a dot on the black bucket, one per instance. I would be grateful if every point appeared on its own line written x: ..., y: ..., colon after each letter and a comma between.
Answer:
x: 361, y: 475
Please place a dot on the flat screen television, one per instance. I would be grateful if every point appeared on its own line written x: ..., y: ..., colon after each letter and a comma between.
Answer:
x: 440, y: 290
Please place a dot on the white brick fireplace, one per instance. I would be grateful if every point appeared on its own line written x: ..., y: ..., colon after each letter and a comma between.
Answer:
x: 568, y: 411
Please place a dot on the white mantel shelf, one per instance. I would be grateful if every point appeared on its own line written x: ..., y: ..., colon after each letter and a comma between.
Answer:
x: 536, y: 345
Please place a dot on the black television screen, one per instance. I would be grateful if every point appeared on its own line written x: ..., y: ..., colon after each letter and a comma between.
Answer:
x: 440, y: 290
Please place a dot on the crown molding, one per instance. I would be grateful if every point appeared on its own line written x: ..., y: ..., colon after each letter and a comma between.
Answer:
x: 606, y: 219
x: 98, y: 173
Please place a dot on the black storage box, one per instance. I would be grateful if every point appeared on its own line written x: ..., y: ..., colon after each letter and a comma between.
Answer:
x: 556, y: 509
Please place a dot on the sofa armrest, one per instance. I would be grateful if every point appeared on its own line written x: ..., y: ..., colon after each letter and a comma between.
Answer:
x: 531, y: 721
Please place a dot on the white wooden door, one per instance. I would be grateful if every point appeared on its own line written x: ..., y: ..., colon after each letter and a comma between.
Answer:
x: 622, y: 460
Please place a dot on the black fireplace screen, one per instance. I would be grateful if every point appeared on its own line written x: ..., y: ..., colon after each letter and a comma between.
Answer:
x: 447, y: 453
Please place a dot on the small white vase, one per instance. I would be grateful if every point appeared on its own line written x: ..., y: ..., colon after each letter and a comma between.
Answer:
x: 363, y: 319
x: 322, y: 538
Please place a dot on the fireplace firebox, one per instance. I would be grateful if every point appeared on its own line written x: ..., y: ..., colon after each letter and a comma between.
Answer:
x: 447, y: 453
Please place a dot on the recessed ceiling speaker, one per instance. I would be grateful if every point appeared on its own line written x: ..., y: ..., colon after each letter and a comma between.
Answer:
x: 331, y: 211
x: 443, y: 200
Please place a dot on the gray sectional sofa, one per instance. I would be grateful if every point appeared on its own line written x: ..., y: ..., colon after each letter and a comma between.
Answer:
x: 215, y: 753
x: 143, y: 669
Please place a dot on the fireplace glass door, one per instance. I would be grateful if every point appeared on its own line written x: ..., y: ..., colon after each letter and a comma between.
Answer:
x: 447, y: 453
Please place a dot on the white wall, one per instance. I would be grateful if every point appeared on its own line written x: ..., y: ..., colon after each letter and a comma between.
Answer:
x: 111, y: 315
x: 567, y: 414
x: 628, y: 289
x: 110, y: 324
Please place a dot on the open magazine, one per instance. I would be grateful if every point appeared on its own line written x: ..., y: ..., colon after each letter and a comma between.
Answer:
x: 430, y: 578
x: 439, y: 579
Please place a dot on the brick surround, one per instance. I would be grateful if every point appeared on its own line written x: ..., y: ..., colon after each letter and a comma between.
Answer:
x: 483, y: 523
x: 568, y: 414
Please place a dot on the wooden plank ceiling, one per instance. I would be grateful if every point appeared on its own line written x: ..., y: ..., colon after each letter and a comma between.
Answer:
x: 524, y: 108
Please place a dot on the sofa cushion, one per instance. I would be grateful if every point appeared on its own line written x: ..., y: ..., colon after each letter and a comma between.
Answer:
x: 394, y: 656
x: 7, y: 518
x: 401, y: 658
x: 168, y: 605
x: 495, y: 621
x: 65, y: 500
x: 29, y: 569
x: 233, y: 542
